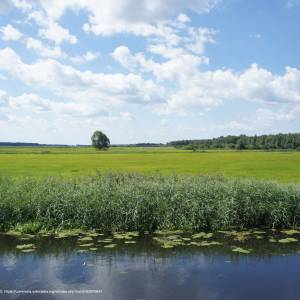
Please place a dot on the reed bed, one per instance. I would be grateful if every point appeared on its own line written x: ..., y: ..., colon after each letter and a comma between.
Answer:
x: 136, y: 202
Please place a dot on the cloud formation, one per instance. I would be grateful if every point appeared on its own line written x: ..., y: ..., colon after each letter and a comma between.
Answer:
x: 62, y: 74
x: 10, y: 33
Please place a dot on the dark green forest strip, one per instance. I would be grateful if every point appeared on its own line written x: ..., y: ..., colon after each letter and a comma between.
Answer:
x: 126, y: 202
x: 278, y: 141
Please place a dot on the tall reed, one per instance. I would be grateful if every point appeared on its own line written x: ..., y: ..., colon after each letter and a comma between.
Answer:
x: 122, y: 202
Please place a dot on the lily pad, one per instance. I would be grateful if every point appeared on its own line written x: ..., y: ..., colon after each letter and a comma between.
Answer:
x: 110, y: 246
x: 241, y: 236
x: 122, y: 236
x: 25, y: 246
x: 87, y: 245
x: 202, y: 235
x: 25, y: 238
x: 133, y: 233
x: 258, y: 232
x: 85, y: 239
x: 193, y: 244
x: 93, y: 249
x: 290, y: 231
x: 93, y: 234
x: 28, y: 250
x: 272, y: 240
x: 287, y: 240
x: 167, y: 246
x: 67, y: 233
x: 105, y: 241
x: 212, y: 243
x: 130, y: 242
x: 30, y: 236
x: 241, y: 250
x: 159, y: 239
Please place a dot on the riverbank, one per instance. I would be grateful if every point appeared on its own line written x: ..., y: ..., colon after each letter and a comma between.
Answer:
x: 135, y: 202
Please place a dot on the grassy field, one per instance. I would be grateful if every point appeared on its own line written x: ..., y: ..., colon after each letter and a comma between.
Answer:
x: 80, y: 161
x: 87, y: 150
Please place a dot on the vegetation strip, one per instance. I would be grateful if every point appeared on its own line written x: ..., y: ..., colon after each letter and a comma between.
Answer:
x: 135, y: 202
x: 282, y: 166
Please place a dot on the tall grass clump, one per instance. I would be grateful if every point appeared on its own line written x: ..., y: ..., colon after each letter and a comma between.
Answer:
x: 117, y: 202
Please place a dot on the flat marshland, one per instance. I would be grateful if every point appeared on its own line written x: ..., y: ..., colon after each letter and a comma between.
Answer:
x: 82, y: 161
x: 147, y: 189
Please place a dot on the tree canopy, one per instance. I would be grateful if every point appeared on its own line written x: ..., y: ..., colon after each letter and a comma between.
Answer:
x: 100, y: 140
x: 264, y: 142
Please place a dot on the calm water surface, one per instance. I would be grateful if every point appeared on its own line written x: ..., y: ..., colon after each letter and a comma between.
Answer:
x: 146, y: 271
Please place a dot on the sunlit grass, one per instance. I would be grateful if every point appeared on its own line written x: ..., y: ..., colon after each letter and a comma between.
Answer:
x: 281, y: 166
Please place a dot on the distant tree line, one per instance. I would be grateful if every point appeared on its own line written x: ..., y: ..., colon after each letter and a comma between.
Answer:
x: 140, y: 145
x: 21, y: 144
x: 264, y: 142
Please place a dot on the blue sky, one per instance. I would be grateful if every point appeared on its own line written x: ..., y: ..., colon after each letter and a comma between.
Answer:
x: 148, y: 71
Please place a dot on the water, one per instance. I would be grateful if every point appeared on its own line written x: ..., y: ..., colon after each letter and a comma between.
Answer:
x: 146, y: 271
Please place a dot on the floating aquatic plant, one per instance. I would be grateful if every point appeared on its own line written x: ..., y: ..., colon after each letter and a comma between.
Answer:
x: 258, y: 232
x: 86, y: 245
x: 85, y: 239
x: 93, y: 249
x: 202, y: 235
x: 287, y: 240
x: 204, y: 243
x: 241, y: 236
x: 241, y: 250
x: 105, y: 241
x: 110, y: 246
x: 26, y: 237
x: 28, y: 250
x: 193, y: 244
x: 211, y: 243
x: 167, y: 245
x: 94, y: 234
x: 290, y: 231
x: 122, y: 236
x: 25, y: 246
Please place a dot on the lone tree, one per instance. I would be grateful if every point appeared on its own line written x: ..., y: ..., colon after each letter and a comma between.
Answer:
x: 100, y: 140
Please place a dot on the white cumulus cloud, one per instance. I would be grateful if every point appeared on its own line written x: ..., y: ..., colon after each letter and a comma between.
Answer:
x: 43, y: 50
x: 10, y: 33
x: 87, y: 57
x: 69, y: 82
x: 50, y: 29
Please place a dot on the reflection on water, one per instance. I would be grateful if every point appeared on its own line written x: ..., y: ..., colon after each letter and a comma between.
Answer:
x: 146, y: 271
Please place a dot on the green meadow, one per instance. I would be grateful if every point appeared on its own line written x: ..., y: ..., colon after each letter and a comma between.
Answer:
x: 147, y: 189
x: 81, y: 161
